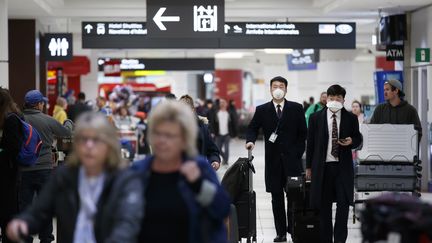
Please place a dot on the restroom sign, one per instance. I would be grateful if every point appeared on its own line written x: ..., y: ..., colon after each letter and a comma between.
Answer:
x: 58, y: 47
x: 185, y: 18
x: 422, y: 54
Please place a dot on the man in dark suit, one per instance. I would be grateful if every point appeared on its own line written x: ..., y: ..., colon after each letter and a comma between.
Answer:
x: 333, y: 133
x: 284, y: 126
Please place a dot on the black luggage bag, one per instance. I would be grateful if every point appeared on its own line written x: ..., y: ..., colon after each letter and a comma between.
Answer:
x: 305, y: 220
x: 238, y: 181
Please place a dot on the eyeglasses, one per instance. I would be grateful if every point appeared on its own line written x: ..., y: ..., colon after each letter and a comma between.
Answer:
x: 84, y: 140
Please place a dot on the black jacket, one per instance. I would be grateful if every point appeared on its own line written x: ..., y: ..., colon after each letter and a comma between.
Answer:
x: 119, y: 213
x: 206, y: 145
x: 316, y: 153
x: 74, y: 111
x: 282, y: 158
x: 214, y: 123
x: 404, y: 113
x: 10, y: 145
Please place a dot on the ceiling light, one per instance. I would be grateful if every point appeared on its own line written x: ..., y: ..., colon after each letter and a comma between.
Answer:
x: 278, y: 51
x: 208, y: 78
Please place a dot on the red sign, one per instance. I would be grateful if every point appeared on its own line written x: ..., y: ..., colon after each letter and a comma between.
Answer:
x: 229, y: 85
x: 112, y: 68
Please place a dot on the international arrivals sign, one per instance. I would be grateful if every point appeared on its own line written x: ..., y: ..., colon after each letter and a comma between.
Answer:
x: 243, y: 35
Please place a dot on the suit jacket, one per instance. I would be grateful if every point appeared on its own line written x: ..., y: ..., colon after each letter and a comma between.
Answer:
x: 316, y: 154
x: 283, y: 157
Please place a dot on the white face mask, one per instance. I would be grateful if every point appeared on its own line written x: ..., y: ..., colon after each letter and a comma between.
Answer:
x: 334, y: 106
x: 278, y: 94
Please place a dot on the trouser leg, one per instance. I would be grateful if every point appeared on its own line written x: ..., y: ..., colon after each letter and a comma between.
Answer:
x: 45, y: 234
x: 342, y: 211
x: 326, y: 224
x: 278, y: 206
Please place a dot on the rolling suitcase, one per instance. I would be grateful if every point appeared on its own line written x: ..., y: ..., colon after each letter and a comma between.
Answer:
x: 370, y: 183
x: 387, y: 170
x: 246, y: 212
x: 238, y: 180
x: 305, y: 220
x: 387, y: 143
x: 305, y: 226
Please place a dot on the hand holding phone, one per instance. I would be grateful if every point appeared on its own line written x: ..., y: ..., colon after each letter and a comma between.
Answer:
x: 345, y: 141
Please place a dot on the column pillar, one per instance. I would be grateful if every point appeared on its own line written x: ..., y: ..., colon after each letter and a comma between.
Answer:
x: 4, y: 54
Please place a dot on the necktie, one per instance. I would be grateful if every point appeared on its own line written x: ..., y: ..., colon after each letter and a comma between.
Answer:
x: 335, y: 145
x: 279, y: 111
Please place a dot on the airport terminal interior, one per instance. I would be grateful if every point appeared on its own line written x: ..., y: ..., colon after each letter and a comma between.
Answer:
x: 225, y: 56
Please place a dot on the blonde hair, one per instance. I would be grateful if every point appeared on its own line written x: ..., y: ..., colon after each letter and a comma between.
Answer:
x: 107, y: 133
x: 180, y: 113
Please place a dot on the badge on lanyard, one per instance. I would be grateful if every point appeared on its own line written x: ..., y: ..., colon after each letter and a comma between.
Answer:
x: 273, y: 137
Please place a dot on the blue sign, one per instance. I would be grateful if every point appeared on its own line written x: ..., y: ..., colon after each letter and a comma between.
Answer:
x: 303, y: 59
x: 380, y: 79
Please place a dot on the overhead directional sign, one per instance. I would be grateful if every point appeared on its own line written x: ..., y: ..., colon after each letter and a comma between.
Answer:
x: 159, y: 19
x: 185, y: 18
x: 58, y: 46
x: 234, y: 35
x: 170, y: 64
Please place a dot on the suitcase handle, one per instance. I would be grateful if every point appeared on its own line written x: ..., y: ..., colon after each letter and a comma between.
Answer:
x: 250, y: 158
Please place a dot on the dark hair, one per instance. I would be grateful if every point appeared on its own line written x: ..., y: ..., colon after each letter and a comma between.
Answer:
x: 81, y: 96
x: 336, y: 90
x: 323, y: 93
x: 311, y: 99
x: 401, y: 94
x: 7, y: 105
x: 170, y: 96
x: 209, y: 101
x: 188, y: 100
x: 279, y: 79
x: 357, y: 102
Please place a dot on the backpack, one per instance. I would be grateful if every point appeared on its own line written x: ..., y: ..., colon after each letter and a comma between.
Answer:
x: 31, y: 146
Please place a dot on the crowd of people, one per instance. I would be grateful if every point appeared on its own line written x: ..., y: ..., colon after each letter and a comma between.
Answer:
x: 174, y: 195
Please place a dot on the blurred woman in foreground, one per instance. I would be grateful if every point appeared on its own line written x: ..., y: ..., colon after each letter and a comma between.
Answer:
x: 93, y: 199
x: 183, y: 199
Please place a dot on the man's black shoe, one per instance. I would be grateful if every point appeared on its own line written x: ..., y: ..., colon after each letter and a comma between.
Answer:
x: 280, y: 238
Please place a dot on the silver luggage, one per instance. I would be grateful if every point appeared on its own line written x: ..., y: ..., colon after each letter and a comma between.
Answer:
x: 388, y: 143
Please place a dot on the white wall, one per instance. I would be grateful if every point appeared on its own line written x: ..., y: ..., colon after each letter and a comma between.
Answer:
x: 355, y: 76
x: 421, y: 37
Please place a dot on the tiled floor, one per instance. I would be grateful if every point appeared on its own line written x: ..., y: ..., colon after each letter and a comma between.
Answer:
x: 265, y: 225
